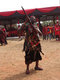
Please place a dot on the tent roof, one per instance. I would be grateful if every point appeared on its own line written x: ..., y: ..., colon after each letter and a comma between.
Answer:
x: 13, y: 16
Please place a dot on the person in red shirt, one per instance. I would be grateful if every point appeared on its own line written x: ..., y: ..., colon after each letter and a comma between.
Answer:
x: 2, y: 37
x: 5, y: 35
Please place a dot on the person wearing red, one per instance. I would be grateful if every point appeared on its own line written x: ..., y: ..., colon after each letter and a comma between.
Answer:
x: 5, y: 35
x: 32, y: 44
x: 2, y: 38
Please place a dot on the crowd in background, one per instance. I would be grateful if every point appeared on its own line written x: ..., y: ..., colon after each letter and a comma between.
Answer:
x: 48, y: 32
x: 51, y: 32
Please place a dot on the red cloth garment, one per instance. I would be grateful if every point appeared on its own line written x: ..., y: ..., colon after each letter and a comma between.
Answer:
x: 57, y: 30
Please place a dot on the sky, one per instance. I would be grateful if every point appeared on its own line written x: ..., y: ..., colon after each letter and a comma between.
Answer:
x: 11, y: 5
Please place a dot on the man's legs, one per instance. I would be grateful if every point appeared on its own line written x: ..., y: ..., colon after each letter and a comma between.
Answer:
x: 37, y: 67
x: 27, y: 69
x: 37, y: 63
x: 6, y: 41
x: 1, y: 42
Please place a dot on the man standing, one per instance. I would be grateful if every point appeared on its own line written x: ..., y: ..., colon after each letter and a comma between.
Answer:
x: 2, y: 38
x: 32, y: 45
x: 5, y: 35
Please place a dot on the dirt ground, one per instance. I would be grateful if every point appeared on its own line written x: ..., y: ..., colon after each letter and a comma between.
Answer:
x: 12, y: 64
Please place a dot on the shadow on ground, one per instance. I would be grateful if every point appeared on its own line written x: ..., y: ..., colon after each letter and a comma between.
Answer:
x: 21, y: 76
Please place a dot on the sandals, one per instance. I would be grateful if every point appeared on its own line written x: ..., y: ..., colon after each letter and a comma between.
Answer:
x: 27, y: 72
x: 37, y: 68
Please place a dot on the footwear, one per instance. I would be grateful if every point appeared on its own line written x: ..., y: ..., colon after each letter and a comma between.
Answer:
x: 37, y: 68
x: 27, y: 72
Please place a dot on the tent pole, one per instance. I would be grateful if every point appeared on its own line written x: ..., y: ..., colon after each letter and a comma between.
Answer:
x: 5, y: 26
x: 40, y: 26
x: 54, y: 20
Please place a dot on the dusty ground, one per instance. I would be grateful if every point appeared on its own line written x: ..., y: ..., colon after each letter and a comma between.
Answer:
x: 12, y: 66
